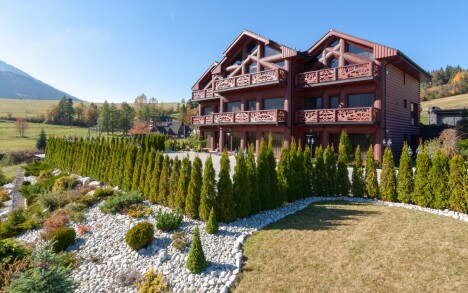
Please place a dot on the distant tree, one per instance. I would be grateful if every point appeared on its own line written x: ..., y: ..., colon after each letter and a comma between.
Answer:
x: 372, y: 185
x: 139, y: 127
x: 208, y: 192
x: 458, y: 184
x: 226, y: 205
x: 114, y: 118
x: 405, y: 186
x: 21, y: 125
x: 422, y: 194
x: 241, y: 190
x: 104, y: 115
x: 80, y: 112
x: 388, y: 182
x: 192, y: 203
x: 439, y: 179
x: 252, y: 177
x: 358, y: 184
x: 41, y: 140
x: 127, y: 114
x: 91, y: 115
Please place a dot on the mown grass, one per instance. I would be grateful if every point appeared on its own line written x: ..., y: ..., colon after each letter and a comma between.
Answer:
x: 347, y: 247
x: 454, y: 102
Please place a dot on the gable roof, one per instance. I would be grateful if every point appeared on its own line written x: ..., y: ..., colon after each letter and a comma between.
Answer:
x: 214, y: 64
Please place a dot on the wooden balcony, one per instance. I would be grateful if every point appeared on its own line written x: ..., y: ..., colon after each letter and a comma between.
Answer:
x: 365, y: 115
x: 252, y: 79
x: 337, y: 75
x: 275, y: 116
x: 204, y: 94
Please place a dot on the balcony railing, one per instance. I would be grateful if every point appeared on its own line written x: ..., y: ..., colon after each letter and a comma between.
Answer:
x: 203, y: 94
x: 340, y: 115
x: 258, y: 78
x: 349, y: 72
x: 245, y: 117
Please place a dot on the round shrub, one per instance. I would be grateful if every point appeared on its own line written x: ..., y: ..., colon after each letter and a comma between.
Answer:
x: 103, y: 192
x: 65, y: 183
x: 140, y: 235
x: 62, y: 238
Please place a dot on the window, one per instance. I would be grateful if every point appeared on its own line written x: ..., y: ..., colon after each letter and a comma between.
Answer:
x: 252, y: 46
x: 233, y: 107
x: 404, y: 78
x: 251, y: 139
x: 334, y: 102
x: 334, y: 63
x: 278, y: 141
x: 313, y: 103
x: 207, y: 110
x: 253, y: 68
x: 280, y: 63
x: 275, y: 103
x: 270, y: 51
x: 207, y: 138
x: 334, y: 43
x: 251, y: 105
x: 405, y: 103
x: 360, y: 51
x: 361, y: 100
x: 414, y: 114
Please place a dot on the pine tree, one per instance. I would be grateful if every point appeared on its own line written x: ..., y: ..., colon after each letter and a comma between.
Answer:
x: 388, y: 183
x: 329, y: 162
x: 241, y: 192
x: 358, y: 184
x: 226, y: 205
x: 173, y: 181
x: 283, y: 174
x: 405, y: 186
x: 196, y: 261
x: 163, y: 191
x: 212, y: 225
x: 372, y: 185
x: 439, y: 179
x: 422, y: 194
x: 308, y: 173
x: 208, y: 192
x: 192, y: 203
x: 182, y: 185
x: 319, y: 172
x: 137, y: 169
x: 458, y: 184
x: 252, y: 177
x: 149, y: 173
x: 342, y: 178
x: 41, y: 140
x: 154, y: 191
x: 263, y: 177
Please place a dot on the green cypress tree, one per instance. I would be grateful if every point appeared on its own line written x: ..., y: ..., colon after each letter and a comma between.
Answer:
x: 422, y: 194
x: 241, y: 190
x: 121, y: 166
x: 208, y: 192
x: 301, y: 175
x: 263, y: 177
x: 154, y: 191
x: 319, y: 172
x: 129, y: 166
x: 143, y: 168
x: 212, y: 224
x: 149, y: 173
x: 458, y: 184
x: 252, y: 176
x: 405, y: 186
x: 196, y: 262
x: 388, y: 183
x: 358, y: 185
x: 41, y: 140
x: 292, y: 191
x: 192, y: 203
x: 137, y: 169
x: 329, y: 162
x: 372, y: 185
x: 308, y: 173
x: 226, y: 205
x: 283, y: 174
x: 439, y: 179
x: 342, y: 179
x: 174, y: 179
x: 163, y: 191
x: 182, y: 185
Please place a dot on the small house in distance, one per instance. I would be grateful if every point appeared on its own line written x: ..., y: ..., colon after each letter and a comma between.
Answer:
x: 168, y: 127
x: 438, y: 116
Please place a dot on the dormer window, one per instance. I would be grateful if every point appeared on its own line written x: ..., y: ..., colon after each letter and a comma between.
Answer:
x: 360, y: 51
x: 270, y: 51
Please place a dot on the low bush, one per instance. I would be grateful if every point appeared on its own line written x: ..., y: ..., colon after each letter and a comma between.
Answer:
x: 139, y: 211
x: 48, y: 201
x: 56, y: 220
x: 140, y: 235
x: 120, y: 201
x: 62, y: 238
x: 153, y: 281
x: 70, y: 259
x: 168, y: 221
x: 179, y: 240
x: 10, y: 272
x: 65, y: 183
x: 18, y: 221
x: 212, y: 225
x: 35, y: 168
x: 44, y: 174
x: 11, y: 250
x: 103, y: 192
x: 76, y: 211
x: 4, y: 195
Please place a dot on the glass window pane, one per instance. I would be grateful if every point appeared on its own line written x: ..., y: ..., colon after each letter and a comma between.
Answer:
x: 275, y: 103
x: 233, y: 107
x: 251, y: 105
x: 335, y: 42
x: 312, y: 103
x: 269, y: 51
x: 253, y: 68
x: 280, y: 63
x: 361, y: 100
x: 360, y: 51
x: 334, y: 63
x: 207, y: 110
x: 334, y: 102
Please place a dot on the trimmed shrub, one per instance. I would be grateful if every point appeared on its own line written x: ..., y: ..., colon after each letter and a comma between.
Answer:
x: 273, y: 177
x: 196, y: 261
x: 439, y: 179
x: 405, y: 186
x: 458, y: 183
x: 372, y: 185
x: 62, y: 238
x: 140, y: 235
x: 163, y: 191
x: 65, y: 183
x: 226, y: 205
x: 358, y: 187
x: 182, y: 185
x: 308, y: 172
x: 212, y: 225
x: 179, y: 240
x: 120, y: 201
x: 292, y: 174
x: 48, y: 201
x: 57, y: 219
x: 329, y: 163
x: 264, y: 191
x: 10, y: 250
x: 153, y: 281
x: 168, y: 221
x: 192, y: 202
x: 139, y: 211
x: 252, y: 181
x: 241, y: 192
x: 208, y: 192
x: 283, y: 173
x: 388, y: 183
x: 422, y: 194
x: 319, y: 172
x: 173, y: 181
x: 342, y: 179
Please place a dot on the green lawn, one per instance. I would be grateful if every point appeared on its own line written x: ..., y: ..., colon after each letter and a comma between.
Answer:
x: 350, y: 247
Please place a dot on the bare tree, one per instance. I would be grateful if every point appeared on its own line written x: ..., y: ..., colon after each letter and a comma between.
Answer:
x: 21, y: 125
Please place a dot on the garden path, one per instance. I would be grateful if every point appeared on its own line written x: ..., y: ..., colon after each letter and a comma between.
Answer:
x: 17, y: 198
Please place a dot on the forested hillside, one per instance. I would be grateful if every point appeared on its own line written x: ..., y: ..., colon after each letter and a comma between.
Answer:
x: 445, y: 83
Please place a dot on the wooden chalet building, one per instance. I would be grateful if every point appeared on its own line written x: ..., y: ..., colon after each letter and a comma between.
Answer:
x: 341, y: 82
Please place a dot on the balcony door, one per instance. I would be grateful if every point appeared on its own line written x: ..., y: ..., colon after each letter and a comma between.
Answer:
x: 274, y: 103
x: 313, y: 103
x: 233, y: 107
x: 361, y: 100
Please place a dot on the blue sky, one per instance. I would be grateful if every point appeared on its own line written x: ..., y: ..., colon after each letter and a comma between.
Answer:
x: 116, y: 50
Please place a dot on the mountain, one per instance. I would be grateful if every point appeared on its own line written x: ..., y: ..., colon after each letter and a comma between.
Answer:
x: 17, y: 84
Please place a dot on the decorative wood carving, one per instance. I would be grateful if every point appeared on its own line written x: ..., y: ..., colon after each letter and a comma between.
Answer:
x: 241, y: 117
x: 251, y: 79
x: 354, y: 71
x: 223, y: 117
x: 244, y: 117
x: 358, y: 115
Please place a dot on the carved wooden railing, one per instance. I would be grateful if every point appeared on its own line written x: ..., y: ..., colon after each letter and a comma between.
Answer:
x: 338, y: 73
x: 279, y: 75
x: 203, y: 94
x: 244, y: 117
x: 353, y: 115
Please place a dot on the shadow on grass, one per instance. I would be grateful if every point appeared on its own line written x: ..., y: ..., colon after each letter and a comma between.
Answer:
x: 321, y: 216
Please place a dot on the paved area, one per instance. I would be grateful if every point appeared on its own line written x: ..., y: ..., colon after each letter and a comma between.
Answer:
x: 17, y: 198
